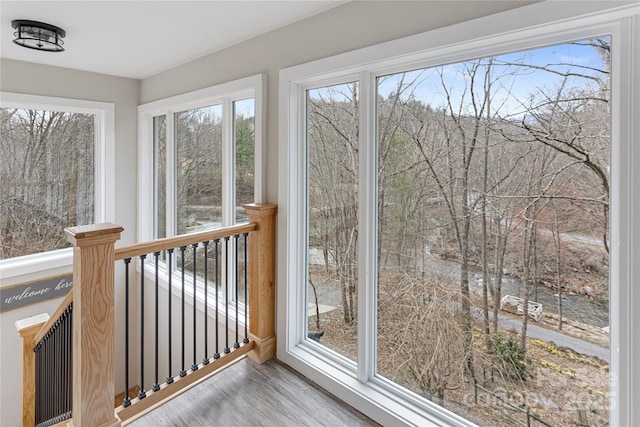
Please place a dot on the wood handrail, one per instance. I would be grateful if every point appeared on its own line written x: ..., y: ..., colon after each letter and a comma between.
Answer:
x: 68, y: 299
x: 187, y: 239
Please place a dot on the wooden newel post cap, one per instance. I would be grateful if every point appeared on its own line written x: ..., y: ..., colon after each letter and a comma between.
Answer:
x: 94, y: 233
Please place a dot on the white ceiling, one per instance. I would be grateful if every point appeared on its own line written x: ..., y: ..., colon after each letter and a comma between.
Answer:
x: 138, y: 39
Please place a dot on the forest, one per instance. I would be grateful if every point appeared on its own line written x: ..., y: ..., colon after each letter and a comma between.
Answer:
x: 492, y: 180
x: 46, y: 178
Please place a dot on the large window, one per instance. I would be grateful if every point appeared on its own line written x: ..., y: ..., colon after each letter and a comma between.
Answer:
x: 199, y: 150
x: 55, y: 167
x: 46, y: 167
x: 332, y: 208
x: 201, y: 159
x: 448, y: 227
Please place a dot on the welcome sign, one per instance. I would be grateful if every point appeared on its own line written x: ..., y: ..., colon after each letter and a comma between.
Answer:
x: 30, y: 293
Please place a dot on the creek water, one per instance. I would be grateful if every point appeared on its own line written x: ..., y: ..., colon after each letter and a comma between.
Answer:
x: 574, y: 307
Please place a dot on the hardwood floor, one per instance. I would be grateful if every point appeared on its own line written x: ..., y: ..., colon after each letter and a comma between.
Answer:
x: 248, y: 394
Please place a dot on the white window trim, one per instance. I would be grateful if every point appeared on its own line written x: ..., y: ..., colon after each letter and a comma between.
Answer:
x: 522, y: 28
x: 37, y: 266
x: 224, y: 94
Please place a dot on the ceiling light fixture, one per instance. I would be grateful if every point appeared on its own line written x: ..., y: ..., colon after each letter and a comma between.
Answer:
x: 38, y: 35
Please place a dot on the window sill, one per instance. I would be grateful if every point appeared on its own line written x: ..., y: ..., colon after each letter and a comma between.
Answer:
x: 34, y: 267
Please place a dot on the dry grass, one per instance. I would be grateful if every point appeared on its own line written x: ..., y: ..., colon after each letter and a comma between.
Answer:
x: 561, y: 382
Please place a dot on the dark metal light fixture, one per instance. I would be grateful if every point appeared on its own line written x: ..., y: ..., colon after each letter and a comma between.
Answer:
x: 38, y: 35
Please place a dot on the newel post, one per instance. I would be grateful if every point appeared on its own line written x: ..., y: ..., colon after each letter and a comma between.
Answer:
x: 28, y: 329
x: 262, y: 245
x: 93, y: 324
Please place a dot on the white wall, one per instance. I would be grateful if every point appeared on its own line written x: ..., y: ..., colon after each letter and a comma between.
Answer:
x: 27, y: 78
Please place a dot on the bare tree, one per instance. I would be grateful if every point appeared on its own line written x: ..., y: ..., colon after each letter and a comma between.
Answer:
x: 47, y: 174
x: 418, y: 335
x: 333, y: 184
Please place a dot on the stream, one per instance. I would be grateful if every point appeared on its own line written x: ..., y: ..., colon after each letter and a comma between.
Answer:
x: 574, y: 307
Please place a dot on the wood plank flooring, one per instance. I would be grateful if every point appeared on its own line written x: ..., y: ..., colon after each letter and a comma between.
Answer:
x: 247, y: 394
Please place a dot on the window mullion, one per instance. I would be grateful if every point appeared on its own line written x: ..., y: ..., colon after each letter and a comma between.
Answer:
x: 367, y: 207
x: 99, y: 209
x: 228, y: 188
x: 228, y: 164
x: 171, y: 208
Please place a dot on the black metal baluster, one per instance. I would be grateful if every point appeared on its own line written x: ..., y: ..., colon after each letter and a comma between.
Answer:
x: 170, y: 272
x: 52, y: 375
x: 63, y: 356
x: 246, y: 295
x: 142, y: 394
x: 70, y: 363
x: 194, y: 366
x: 58, y: 373
x: 59, y: 338
x: 47, y: 389
x: 63, y: 362
x: 236, y: 344
x: 217, y: 260
x: 52, y: 386
x: 39, y: 383
x: 127, y: 401
x: 37, y: 391
x: 37, y: 396
x: 67, y: 379
x: 42, y: 381
x: 205, y: 361
x: 156, y: 385
x: 226, y: 296
x: 183, y: 371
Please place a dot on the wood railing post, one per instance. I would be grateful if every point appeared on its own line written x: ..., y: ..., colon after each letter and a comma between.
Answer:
x: 28, y: 328
x: 93, y: 324
x: 262, y: 280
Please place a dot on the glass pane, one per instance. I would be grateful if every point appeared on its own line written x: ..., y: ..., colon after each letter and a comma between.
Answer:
x: 493, y: 218
x: 244, y: 125
x: 160, y: 175
x: 47, y: 176
x: 332, y: 141
x: 198, y: 169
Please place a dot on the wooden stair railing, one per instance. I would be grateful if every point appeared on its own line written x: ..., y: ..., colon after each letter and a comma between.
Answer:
x: 94, y: 323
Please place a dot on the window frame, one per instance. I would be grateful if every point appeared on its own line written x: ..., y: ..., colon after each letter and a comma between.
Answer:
x: 46, y: 264
x: 523, y: 28
x: 225, y: 94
